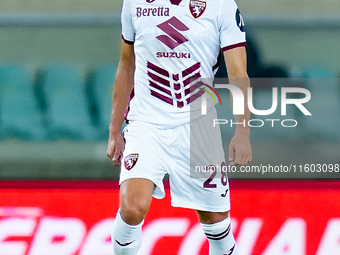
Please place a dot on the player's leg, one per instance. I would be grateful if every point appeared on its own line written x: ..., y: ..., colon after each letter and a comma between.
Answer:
x: 200, y: 182
x: 141, y: 176
x: 217, y: 228
x: 135, y: 199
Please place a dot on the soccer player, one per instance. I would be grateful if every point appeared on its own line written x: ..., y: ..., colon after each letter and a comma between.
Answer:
x: 167, y: 46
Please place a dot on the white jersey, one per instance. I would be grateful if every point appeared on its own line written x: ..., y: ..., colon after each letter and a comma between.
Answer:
x: 175, y: 43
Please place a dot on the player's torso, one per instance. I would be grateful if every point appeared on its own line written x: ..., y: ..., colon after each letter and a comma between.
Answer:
x: 185, y: 30
x: 175, y: 43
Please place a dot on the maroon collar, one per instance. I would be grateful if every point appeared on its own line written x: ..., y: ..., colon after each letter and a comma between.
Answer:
x: 176, y: 2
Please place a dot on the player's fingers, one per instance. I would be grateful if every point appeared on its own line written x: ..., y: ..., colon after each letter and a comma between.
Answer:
x: 119, y: 160
x: 116, y: 162
x: 249, y: 153
x: 110, y: 150
x: 109, y: 153
x: 238, y: 160
x: 249, y: 157
x: 116, y: 157
x: 245, y: 160
x: 241, y: 161
x: 231, y: 152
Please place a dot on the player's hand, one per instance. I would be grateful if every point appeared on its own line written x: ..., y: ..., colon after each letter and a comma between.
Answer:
x: 115, y: 149
x: 240, y: 152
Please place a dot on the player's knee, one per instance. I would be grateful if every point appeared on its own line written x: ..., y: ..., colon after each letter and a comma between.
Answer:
x: 133, y: 214
x: 212, y: 217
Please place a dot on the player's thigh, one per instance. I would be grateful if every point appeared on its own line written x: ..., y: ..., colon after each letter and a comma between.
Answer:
x: 144, y: 156
x: 135, y: 199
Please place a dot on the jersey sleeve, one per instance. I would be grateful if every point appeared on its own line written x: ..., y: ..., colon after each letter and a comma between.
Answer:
x: 231, y: 26
x: 128, y: 30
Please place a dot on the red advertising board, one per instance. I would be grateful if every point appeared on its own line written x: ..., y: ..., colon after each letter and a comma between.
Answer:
x: 75, y: 218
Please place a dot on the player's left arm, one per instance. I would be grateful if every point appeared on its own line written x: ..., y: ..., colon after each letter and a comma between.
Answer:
x: 240, y: 152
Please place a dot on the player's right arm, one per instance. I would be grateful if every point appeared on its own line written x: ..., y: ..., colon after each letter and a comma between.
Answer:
x: 121, y: 95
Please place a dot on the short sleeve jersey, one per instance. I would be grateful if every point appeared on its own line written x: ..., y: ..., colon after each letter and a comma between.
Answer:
x: 176, y: 42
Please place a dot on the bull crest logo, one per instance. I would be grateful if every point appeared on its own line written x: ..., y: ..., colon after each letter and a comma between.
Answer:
x: 197, y: 8
x: 130, y: 161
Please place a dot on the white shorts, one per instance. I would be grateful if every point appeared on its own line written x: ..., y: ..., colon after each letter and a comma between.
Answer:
x: 184, y: 153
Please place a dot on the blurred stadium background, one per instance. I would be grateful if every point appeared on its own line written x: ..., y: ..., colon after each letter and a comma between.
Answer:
x: 58, y: 60
x: 57, y: 65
